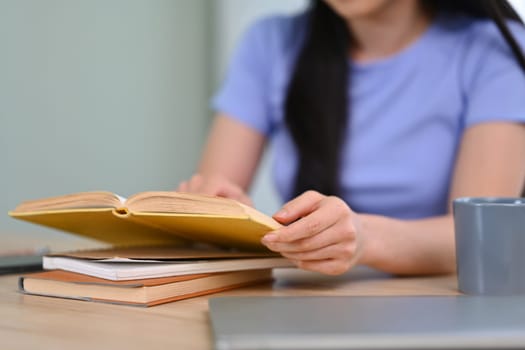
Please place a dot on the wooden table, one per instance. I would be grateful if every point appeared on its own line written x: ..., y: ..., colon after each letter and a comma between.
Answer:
x: 33, y: 322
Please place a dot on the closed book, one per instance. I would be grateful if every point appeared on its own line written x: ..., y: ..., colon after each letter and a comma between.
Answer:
x: 128, y: 263
x: 145, y: 292
x: 151, y: 218
x: 132, y: 269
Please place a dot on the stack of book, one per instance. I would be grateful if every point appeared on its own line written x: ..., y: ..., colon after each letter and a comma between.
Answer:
x: 167, y: 246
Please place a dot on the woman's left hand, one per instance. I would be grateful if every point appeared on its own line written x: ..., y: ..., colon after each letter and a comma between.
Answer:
x: 322, y: 234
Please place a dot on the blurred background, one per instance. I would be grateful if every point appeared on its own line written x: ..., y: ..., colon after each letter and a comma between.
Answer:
x: 113, y: 94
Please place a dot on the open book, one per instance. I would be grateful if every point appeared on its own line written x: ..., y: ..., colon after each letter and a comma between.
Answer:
x: 150, y: 218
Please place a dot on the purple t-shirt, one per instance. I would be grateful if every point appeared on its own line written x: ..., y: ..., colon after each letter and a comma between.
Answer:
x: 409, y: 111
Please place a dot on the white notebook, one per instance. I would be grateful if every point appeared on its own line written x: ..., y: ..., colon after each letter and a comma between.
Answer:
x: 126, y: 269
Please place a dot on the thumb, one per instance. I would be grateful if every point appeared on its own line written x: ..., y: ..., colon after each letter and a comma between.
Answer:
x: 298, y: 207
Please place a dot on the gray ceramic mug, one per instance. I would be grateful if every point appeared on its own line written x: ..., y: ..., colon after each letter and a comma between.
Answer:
x: 490, y: 245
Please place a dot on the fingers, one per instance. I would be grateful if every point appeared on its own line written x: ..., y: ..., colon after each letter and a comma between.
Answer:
x: 183, y: 187
x: 326, y: 266
x: 298, y: 207
x: 323, y: 234
x: 326, y: 212
x: 234, y: 192
x: 339, y: 233
x: 194, y: 184
x: 214, y: 186
x: 221, y: 187
x: 344, y: 251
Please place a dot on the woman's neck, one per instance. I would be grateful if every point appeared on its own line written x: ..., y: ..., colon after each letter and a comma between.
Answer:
x: 387, y: 31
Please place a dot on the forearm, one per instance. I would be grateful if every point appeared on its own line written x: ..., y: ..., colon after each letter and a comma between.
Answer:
x: 228, y: 162
x: 406, y: 247
x: 232, y: 152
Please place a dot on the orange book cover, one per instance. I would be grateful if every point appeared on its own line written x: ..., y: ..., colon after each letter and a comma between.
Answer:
x: 146, y: 292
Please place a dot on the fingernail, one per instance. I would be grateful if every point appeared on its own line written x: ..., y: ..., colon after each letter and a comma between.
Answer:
x: 270, y: 237
x: 282, y: 213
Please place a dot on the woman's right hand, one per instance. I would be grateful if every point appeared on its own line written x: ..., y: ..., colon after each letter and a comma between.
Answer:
x: 215, y: 185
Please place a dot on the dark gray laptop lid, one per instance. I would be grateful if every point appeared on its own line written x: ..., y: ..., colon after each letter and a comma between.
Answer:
x: 346, y: 322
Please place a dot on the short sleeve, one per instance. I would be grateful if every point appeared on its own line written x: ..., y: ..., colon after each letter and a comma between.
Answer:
x: 494, y: 81
x: 245, y: 89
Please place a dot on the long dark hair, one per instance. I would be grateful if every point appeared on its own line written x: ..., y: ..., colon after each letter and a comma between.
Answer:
x: 317, y: 105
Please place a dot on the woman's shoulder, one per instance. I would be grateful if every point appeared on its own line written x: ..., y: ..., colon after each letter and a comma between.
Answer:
x: 491, y: 78
x: 478, y: 44
x: 276, y: 22
x: 481, y: 34
x: 277, y: 30
x: 484, y: 32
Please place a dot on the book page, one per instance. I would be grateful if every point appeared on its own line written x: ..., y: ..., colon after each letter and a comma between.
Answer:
x: 80, y: 200
x: 184, y: 203
x: 162, y: 253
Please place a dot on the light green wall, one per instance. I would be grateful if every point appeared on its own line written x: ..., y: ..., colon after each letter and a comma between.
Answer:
x: 100, y: 94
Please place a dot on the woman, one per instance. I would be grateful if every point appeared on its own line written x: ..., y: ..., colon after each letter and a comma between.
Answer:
x: 381, y: 113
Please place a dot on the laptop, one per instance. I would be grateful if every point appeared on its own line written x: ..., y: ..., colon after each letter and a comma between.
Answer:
x: 348, y: 322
